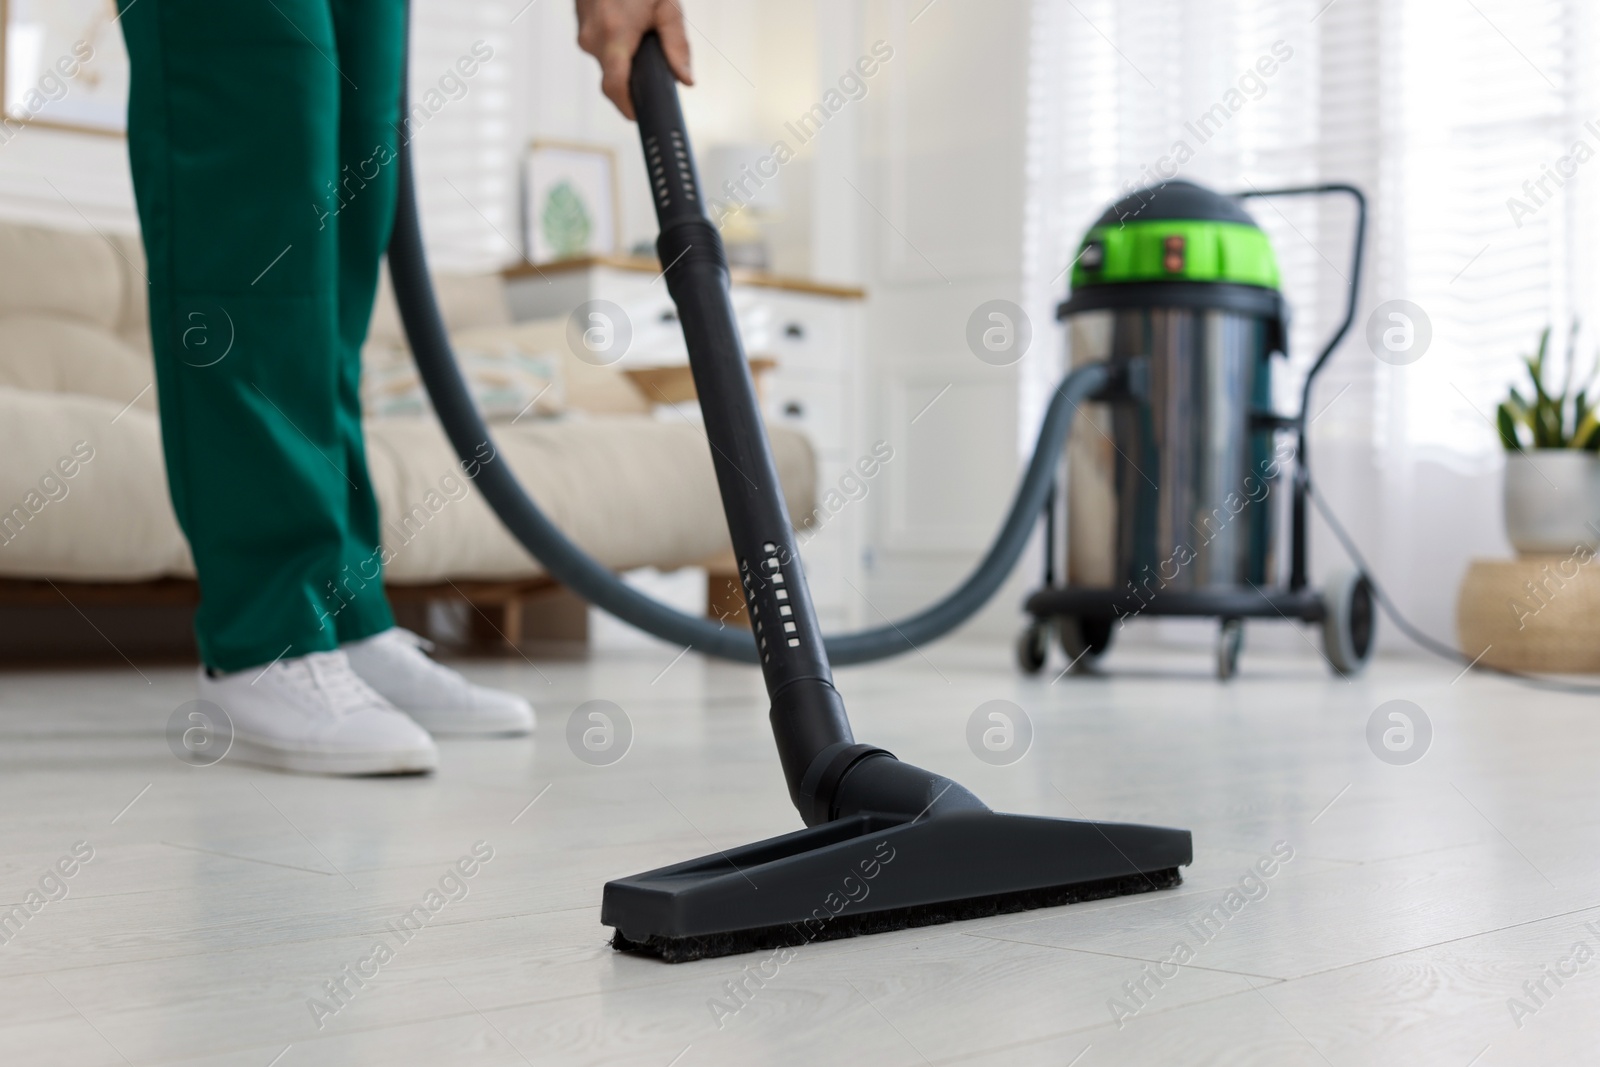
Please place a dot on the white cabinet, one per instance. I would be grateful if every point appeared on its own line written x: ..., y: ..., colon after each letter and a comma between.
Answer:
x: 810, y: 330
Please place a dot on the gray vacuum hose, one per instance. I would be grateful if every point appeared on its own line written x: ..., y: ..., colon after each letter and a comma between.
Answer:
x: 567, y: 563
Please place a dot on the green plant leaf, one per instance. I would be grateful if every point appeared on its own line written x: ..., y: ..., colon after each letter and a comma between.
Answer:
x: 1517, y: 410
x: 1535, y: 369
x: 1572, y: 359
x: 1547, y: 429
x: 1592, y: 379
x: 1552, y: 420
x: 1541, y: 399
x: 1587, y: 433
x: 1506, y: 422
x: 1584, y: 407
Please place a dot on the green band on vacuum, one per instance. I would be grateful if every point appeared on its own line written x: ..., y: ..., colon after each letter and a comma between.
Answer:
x: 1176, y: 250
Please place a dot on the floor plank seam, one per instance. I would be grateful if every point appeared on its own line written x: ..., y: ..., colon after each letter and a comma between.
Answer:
x: 1056, y: 1036
x: 1440, y: 944
x: 1120, y: 956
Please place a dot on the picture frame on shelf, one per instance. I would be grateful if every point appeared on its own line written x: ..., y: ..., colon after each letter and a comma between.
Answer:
x: 63, y: 66
x: 570, y: 201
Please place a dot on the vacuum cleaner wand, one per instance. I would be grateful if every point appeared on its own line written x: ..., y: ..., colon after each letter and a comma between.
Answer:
x: 931, y: 850
x: 807, y: 715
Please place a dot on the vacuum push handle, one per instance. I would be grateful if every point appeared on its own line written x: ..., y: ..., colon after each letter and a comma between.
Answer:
x: 1357, y: 255
x: 1298, y: 576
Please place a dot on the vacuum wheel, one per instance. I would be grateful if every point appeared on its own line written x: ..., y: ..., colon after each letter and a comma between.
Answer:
x: 1230, y: 639
x: 1033, y: 646
x: 1084, y: 641
x: 1349, y: 622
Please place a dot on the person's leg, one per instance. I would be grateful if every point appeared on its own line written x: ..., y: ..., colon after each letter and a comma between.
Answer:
x: 234, y: 136
x: 233, y: 133
x: 370, y: 37
x: 371, y: 53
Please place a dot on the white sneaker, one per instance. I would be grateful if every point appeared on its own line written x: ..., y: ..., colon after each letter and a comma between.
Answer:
x: 440, y: 700
x: 313, y: 714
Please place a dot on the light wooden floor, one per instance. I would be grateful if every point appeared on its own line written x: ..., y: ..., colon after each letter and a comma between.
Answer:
x: 220, y: 900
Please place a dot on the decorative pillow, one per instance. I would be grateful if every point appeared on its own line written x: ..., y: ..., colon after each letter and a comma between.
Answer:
x: 507, y: 382
x: 592, y: 389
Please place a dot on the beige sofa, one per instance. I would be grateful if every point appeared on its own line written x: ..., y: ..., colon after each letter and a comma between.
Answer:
x: 82, y: 493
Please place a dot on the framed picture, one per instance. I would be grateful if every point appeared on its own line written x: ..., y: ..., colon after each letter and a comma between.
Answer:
x: 569, y: 201
x: 63, y: 65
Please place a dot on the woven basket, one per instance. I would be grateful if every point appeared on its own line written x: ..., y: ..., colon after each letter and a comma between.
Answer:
x: 1537, y: 613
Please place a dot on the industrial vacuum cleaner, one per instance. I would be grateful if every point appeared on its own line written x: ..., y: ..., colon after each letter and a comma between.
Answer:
x: 1172, y: 478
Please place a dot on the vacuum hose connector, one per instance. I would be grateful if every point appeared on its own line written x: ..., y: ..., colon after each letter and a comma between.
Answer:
x: 832, y: 776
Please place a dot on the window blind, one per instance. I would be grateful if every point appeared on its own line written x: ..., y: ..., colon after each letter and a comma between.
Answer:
x: 1461, y: 120
x: 460, y: 130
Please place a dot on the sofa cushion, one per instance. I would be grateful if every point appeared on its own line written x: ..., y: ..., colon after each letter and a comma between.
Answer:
x: 632, y: 492
x: 71, y: 275
x: 83, y: 492
x: 133, y: 326
x: 50, y: 354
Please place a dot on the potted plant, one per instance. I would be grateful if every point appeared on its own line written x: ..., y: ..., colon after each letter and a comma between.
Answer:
x: 1552, y: 441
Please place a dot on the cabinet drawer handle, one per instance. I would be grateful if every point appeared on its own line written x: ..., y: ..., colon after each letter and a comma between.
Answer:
x: 794, y: 409
x: 794, y: 331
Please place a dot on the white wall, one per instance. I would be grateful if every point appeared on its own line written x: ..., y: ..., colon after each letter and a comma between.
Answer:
x: 939, y: 219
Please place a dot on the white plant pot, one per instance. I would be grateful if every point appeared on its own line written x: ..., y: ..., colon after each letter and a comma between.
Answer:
x: 1552, y: 500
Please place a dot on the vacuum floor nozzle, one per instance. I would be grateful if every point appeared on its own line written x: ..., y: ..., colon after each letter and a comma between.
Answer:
x: 871, y: 873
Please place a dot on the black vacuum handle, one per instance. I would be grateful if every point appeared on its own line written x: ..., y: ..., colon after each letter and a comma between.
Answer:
x: 808, y: 717
x: 674, y: 181
x: 1299, y: 573
x: 1357, y: 256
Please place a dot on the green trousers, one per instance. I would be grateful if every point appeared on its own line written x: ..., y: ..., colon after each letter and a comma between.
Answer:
x: 263, y: 143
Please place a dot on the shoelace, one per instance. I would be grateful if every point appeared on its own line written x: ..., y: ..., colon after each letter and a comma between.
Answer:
x: 424, y: 676
x: 415, y: 640
x: 327, y: 678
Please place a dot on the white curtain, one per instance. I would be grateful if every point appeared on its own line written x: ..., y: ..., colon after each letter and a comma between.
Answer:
x: 461, y: 136
x: 1441, y: 110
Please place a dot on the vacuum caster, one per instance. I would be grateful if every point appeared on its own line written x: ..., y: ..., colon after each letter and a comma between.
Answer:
x: 1349, y: 622
x: 1033, y: 646
x: 1084, y: 641
x: 1230, y: 639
